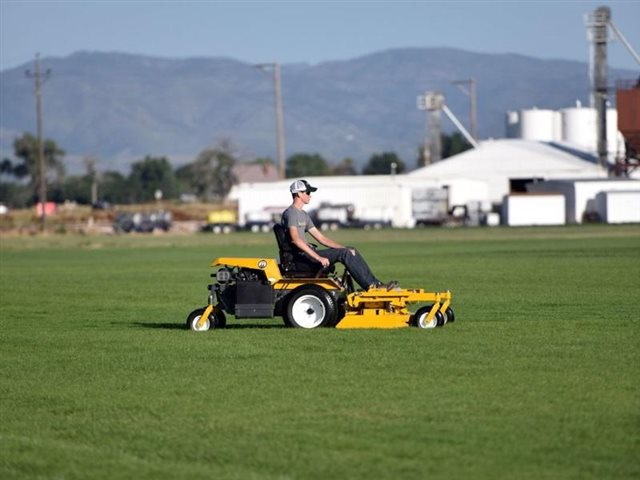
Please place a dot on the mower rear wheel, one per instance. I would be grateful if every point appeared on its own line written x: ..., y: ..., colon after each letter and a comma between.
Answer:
x: 310, y: 306
x: 420, y: 318
x: 214, y: 321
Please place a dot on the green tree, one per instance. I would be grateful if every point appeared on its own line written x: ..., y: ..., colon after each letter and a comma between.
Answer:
x: 114, y: 187
x: 382, y: 164
x: 451, y: 145
x: 345, y: 167
x: 186, y: 178
x: 211, y: 175
x: 151, y: 174
x: 15, y: 194
x: 26, y: 165
x: 73, y: 187
x: 305, y: 165
x: 454, y: 144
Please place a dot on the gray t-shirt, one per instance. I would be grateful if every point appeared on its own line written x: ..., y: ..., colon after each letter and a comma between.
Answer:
x: 292, y: 217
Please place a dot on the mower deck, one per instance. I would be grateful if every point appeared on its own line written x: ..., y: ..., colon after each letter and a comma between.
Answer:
x: 379, y: 308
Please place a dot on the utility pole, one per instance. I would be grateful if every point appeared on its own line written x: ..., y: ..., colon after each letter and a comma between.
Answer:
x: 92, y: 173
x: 39, y: 79
x: 473, y: 102
x: 275, y: 67
x: 90, y: 164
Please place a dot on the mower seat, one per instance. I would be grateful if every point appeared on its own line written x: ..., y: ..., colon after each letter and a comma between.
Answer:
x: 293, y: 262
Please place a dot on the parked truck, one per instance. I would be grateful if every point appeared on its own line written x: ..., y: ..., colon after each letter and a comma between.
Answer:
x: 142, y: 222
x: 432, y: 206
x: 334, y: 216
x: 221, y: 221
x: 226, y: 220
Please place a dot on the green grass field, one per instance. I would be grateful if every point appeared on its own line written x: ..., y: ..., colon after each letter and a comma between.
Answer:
x: 538, y: 378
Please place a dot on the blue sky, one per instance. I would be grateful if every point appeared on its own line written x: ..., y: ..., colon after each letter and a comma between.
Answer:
x: 305, y: 31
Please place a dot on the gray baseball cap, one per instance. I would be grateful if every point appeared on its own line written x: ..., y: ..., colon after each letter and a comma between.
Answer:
x: 301, y: 186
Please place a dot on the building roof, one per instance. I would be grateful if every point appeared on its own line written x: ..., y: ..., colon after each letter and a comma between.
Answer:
x: 255, y: 173
x: 513, y: 156
x: 498, y: 161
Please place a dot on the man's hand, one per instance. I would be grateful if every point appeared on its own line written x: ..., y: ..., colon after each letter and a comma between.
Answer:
x: 324, y: 261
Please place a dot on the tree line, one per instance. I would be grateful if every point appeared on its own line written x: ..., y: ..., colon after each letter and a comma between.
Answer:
x: 209, y: 177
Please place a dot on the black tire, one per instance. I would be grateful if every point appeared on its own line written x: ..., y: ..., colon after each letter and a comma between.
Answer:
x: 449, y: 315
x: 220, y: 319
x: 214, y: 321
x: 419, y: 318
x: 341, y: 311
x: 310, y: 306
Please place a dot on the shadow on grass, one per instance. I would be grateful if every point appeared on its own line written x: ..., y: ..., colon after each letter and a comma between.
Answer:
x: 182, y: 326
x: 163, y: 326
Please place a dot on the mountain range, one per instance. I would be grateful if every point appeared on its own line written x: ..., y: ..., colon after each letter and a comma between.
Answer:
x: 120, y: 107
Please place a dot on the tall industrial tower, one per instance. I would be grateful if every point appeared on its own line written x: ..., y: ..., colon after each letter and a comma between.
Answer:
x: 598, y: 35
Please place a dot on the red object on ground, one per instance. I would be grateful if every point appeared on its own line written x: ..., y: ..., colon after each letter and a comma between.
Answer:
x: 49, y: 208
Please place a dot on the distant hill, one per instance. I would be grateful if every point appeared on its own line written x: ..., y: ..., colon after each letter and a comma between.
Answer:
x: 121, y: 107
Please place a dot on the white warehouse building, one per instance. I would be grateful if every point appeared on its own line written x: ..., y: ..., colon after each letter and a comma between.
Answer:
x: 374, y: 197
x: 483, y: 178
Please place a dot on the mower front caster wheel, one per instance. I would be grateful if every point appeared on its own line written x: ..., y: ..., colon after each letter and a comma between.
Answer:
x: 449, y: 315
x: 420, y: 318
x: 214, y: 321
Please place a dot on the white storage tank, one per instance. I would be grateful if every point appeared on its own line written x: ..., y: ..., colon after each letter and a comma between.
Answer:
x: 615, y: 139
x: 512, y: 124
x: 557, y: 126
x: 612, y: 129
x: 539, y: 125
x: 579, y: 126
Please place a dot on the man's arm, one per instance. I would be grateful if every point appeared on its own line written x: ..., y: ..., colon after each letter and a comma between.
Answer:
x: 326, y: 241
x: 323, y: 239
x: 304, y: 246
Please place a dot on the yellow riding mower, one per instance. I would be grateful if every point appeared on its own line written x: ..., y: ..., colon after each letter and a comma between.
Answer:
x: 306, y: 296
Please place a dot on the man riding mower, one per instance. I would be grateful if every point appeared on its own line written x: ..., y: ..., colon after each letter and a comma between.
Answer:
x: 304, y: 289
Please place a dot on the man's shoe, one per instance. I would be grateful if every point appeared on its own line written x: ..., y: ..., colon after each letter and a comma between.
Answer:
x: 388, y: 286
x: 391, y: 285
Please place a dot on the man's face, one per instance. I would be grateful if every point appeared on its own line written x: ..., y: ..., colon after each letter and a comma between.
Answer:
x: 305, y: 197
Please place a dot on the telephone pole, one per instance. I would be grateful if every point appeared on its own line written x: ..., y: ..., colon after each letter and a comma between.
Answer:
x: 275, y: 67
x: 39, y: 79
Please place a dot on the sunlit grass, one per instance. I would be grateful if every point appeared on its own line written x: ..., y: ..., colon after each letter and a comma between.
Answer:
x: 538, y: 377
